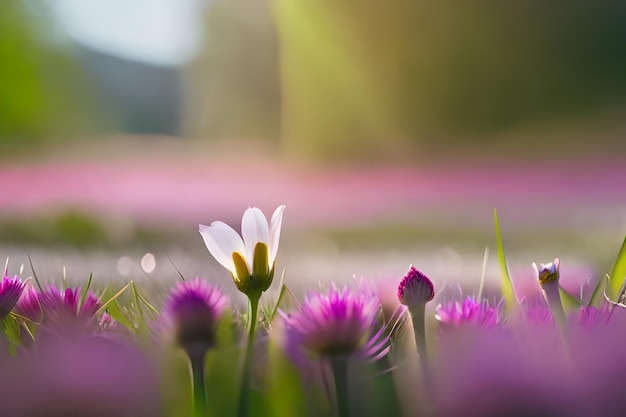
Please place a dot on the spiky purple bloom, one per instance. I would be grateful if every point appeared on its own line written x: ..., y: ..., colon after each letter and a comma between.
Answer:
x: 194, y: 309
x: 29, y: 305
x: 10, y: 291
x: 65, y: 305
x: 59, y: 308
x: 415, y: 288
x: 341, y: 322
x: 468, y: 312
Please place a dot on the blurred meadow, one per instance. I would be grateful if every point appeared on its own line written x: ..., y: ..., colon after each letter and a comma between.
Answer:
x: 390, y: 130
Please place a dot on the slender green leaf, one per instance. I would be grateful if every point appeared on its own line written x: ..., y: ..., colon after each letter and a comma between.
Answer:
x: 618, y: 273
x: 143, y: 299
x: 141, y: 325
x: 570, y: 302
x: 174, y: 266
x: 34, y: 274
x: 85, y: 291
x: 596, y: 295
x: 119, y: 314
x: 508, y: 291
x: 283, y: 290
x: 113, y: 298
x: 103, y: 292
x: 483, y: 274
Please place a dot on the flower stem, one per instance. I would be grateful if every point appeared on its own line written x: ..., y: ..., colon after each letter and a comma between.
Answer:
x: 418, y: 316
x: 553, y: 297
x: 197, y: 361
x: 244, y: 399
x: 339, y: 365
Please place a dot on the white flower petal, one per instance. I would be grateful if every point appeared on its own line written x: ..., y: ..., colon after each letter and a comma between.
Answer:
x: 254, y: 229
x: 277, y: 221
x: 222, y: 240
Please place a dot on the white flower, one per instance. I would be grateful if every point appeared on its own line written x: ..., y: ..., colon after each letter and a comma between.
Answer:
x: 250, y: 260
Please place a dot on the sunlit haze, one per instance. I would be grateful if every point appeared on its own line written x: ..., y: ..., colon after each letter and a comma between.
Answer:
x: 156, y: 31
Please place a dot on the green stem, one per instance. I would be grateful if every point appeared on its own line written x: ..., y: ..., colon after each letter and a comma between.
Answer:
x: 244, y: 398
x: 197, y: 360
x: 339, y: 365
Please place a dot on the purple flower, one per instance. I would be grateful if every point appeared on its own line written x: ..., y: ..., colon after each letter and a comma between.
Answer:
x: 194, y: 309
x: 488, y: 372
x: 65, y: 305
x: 84, y: 376
x: 10, y: 291
x: 469, y: 312
x: 415, y: 288
x: 59, y: 308
x: 414, y: 291
x: 29, y: 305
x: 536, y: 314
x: 341, y: 322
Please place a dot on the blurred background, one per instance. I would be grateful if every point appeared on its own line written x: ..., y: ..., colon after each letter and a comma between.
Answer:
x: 391, y: 131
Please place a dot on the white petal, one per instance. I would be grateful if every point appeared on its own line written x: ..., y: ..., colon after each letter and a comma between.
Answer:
x: 254, y: 229
x: 277, y: 221
x: 222, y: 240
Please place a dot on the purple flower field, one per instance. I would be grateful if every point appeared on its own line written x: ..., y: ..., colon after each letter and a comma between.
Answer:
x: 187, y: 349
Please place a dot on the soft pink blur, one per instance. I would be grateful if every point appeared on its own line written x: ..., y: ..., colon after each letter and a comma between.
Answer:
x: 183, y: 190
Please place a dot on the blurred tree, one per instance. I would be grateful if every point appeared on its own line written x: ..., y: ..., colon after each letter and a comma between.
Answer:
x: 365, y: 77
x: 43, y: 93
x: 234, y: 85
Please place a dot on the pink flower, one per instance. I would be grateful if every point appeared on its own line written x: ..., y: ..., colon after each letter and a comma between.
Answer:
x: 341, y: 322
x: 194, y: 309
x: 469, y: 312
x: 10, y: 292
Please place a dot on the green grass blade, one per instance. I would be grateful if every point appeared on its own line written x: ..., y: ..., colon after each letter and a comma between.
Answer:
x: 598, y: 290
x: 618, y: 273
x: 113, y: 298
x: 508, y: 291
x: 32, y: 268
x: 283, y: 290
x: 85, y: 291
x: 145, y: 302
x: 141, y: 326
x: 483, y: 274
x: 180, y: 274
x: 570, y: 302
x: 119, y: 314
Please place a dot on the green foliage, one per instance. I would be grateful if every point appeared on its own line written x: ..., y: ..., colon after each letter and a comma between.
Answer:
x: 12, y: 332
x: 618, y: 274
x: 384, y: 76
x: 508, y: 291
x: 43, y: 92
x: 111, y: 305
x: 78, y: 229
x: 72, y: 228
x: 374, y: 389
x: 285, y: 385
x: 570, y: 303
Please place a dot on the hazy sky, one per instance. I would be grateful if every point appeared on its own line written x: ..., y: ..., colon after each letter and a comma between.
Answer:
x: 156, y: 31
